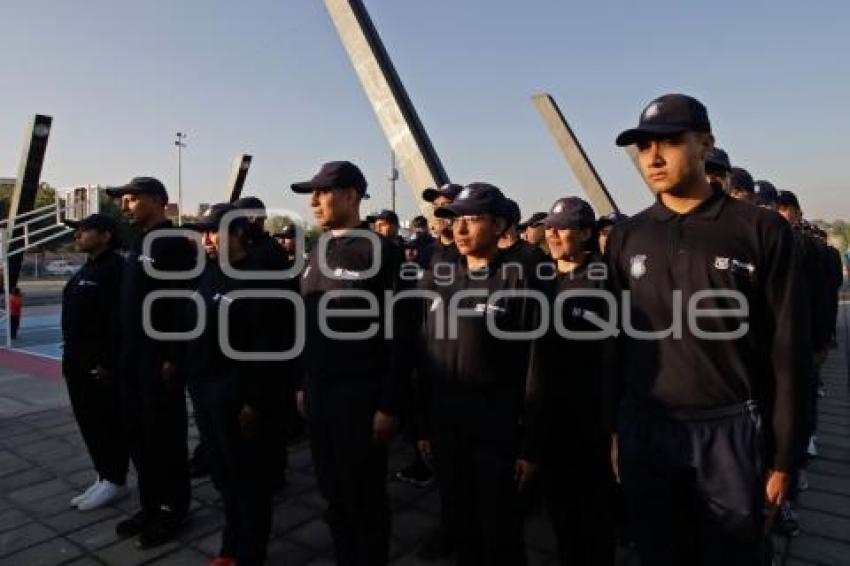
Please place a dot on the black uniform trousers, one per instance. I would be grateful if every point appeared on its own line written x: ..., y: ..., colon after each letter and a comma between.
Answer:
x: 241, y: 467
x: 96, y: 406
x: 578, y: 487
x: 475, y: 440
x: 156, y: 425
x: 694, y: 485
x: 351, y: 468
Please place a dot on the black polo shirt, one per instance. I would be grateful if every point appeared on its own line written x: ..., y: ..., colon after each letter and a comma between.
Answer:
x: 723, y: 244
x: 370, y: 360
x: 476, y: 361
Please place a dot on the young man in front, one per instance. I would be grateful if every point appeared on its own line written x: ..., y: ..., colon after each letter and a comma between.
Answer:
x: 709, y: 350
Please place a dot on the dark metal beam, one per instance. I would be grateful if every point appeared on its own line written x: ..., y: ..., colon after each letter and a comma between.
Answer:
x: 238, y: 173
x: 26, y: 185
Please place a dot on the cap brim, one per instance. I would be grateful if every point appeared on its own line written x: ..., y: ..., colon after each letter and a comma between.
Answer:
x: 430, y: 195
x: 115, y: 192
x: 201, y: 227
x: 560, y: 223
x: 75, y: 224
x: 305, y: 187
x: 461, y: 208
x: 647, y: 131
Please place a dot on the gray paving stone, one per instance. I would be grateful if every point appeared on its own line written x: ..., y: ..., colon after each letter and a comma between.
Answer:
x: 314, y: 535
x: 52, y: 552
x: 824, y: 525
x: 202, y: 522
x: 125, y: 553
x: 23, y: 537
x: 292, y: 514
x: 38, y: 491
x: 74, y: 519
x: 208, y: 545
x: 25, y: 478
x: 183, y: 557
x: 98, y: 535
x: 819, y: 550
x: 47, y: 450
x: 11, y: 463
x: 12, y: 519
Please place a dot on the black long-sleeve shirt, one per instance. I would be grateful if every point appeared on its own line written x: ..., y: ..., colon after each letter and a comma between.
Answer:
x: 329, y: 359
x: 475, y: 360
x: 90, y: 313
x: 167, y: 254
x: 723, y: 244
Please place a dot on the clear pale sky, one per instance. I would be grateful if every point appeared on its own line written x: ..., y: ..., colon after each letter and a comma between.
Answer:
x: 270, y: 78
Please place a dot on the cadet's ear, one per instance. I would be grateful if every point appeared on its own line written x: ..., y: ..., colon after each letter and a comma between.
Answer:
x: 706, y: 141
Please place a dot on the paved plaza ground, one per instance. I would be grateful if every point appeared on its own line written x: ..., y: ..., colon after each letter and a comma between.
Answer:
x: 43, y: 463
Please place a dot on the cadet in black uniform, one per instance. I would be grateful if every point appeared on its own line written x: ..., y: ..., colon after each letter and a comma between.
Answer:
x: 576, y: 468
x: 90, y: 331
x: 765, y: 194
x: 604, y: 225
x: 481, y: 422
x: 267, y: 255
x: 741, y: 185
x: 717, y: 168
x: 514, y: 248
x: 286, y: 240
x: 152, y: 387
x: 235, y: 400
x: 534, y: 232
x: 351, y: 387
x: 693, y: 397
x: 445, y: 251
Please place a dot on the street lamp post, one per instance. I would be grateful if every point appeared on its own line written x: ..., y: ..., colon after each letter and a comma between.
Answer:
x: 180, y: 142
x: 393, y: 178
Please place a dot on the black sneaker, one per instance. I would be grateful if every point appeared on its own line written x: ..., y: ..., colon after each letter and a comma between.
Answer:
x: 418, y: 473
x: 436, y: 545
x: 161, y: 530
x: 786, y: 522
x: 133, y: 526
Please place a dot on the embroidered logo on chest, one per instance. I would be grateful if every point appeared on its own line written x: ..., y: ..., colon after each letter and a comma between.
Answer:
x: 638, y: 266
x: 721, y: 263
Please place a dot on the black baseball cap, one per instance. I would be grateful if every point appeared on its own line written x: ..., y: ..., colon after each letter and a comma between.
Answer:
x: 667, y: 115
x: 718, y: 159
x: 741, y: 180
x: 449, y: 190
x: 386, y: 215
x: 475, y: 198
x: 287, y: 233
x: 211, y: 220
x: 334, y: 175
x: 99, y: 222
x: 570, y: 212
x: 765, y: 193
x: 419, y: 222
x: 534, y: 220
x: 610, y: 219
x: 140, y: 186
x: 250, y: 203
x: 788, y: 199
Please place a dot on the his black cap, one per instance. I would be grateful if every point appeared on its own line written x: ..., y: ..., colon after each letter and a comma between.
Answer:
x: 667, y: 115
x: 140, y: 186
x: 211, y: 220
x: 610, y: 219
x: 534, y: 220
x: 287, y: 233
x: 741, y: 180
x: 387, y: 216
x: 419, y: 223
x: 765, y: 193
x: 718, y: 159
x: 449, y: 190
x: 334, y: 175
x: 787, y: 199
x: 250, y: 203
x: 475, y: 198
x: 99, y: 222
x: 570, y: 212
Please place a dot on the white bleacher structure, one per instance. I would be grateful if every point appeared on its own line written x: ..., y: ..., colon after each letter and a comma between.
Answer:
x: 37, y: 227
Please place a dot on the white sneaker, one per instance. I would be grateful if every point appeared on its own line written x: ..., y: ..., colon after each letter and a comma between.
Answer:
x: 812, y: 449
x: 79, y: 499
x: 105, y: 493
